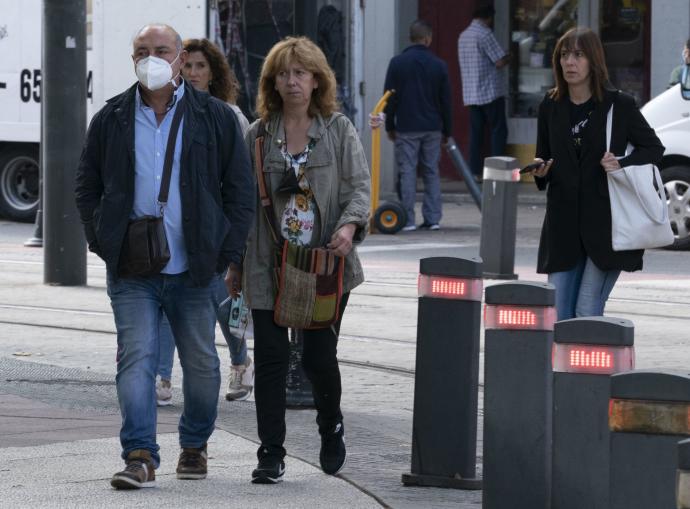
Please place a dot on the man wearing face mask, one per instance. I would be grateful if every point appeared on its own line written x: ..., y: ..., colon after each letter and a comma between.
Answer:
x: 206, y: 215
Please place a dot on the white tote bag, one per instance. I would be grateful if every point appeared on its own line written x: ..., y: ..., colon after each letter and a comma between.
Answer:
x: 639, y: 214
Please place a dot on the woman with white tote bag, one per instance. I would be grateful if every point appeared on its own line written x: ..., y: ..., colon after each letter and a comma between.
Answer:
x: 576, y: 241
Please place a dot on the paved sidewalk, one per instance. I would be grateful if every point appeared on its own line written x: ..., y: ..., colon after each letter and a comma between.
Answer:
x: 74, y: 474
x: 63, y: 454
x: 59, y: 417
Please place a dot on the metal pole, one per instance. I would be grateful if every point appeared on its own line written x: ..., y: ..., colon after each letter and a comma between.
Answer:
x: 464, y: 170
x: 63, y: 124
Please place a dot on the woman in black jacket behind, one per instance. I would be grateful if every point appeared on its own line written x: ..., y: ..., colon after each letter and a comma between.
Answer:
x: 575, y: 247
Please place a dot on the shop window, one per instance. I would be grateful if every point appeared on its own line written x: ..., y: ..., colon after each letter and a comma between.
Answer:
x: 625, y: 41
x: 536, y: 26
x: 247, y: 29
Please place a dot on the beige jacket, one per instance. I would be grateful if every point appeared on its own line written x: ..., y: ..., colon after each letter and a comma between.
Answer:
x: 338, y: 173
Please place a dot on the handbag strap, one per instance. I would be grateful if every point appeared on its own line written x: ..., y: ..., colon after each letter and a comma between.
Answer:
x: 609, y: 121
x: 170, y: 153
x: 266, y: 203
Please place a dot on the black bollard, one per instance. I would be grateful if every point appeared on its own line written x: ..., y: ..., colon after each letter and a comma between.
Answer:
x: 519, y: 322
x: 499, y: 217
x: 648, y: 416
x: 586, y: 352
x: 444, y: 423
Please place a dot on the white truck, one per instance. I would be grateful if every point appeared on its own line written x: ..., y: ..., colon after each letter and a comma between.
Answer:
x: 669, y: 115
x: 111, y: 25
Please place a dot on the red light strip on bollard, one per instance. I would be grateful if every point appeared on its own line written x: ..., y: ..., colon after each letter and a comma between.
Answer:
x: 444, y: 287
x: 499, y: 316
x: 592, y: 359
x: 650, y: 417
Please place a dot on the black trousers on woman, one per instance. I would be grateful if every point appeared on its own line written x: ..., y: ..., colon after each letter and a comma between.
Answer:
x: 271, y: 356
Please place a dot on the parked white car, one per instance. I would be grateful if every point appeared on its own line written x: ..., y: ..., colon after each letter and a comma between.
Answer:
x: 669, y: 115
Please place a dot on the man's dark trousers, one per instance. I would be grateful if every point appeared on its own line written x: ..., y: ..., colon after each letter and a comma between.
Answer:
x: 493, y: 113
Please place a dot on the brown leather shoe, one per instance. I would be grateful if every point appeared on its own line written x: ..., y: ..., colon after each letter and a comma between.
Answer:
x: 192, y: 463
x: 139, y: 472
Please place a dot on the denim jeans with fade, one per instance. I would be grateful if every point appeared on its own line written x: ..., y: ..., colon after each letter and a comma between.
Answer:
x: 138, y: 305
x: 419, y: 150
x: 582, y: 290
x: 237, y: 345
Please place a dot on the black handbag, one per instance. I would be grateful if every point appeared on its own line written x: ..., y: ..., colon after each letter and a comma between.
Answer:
x: 145, y: 250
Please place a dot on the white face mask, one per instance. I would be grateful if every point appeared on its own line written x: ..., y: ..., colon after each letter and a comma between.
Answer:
x: 154, y: 72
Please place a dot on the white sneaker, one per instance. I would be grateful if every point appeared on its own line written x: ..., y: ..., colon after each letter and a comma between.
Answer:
x: 409, y: 228
x: 163, y: 393
x: 241, y: 381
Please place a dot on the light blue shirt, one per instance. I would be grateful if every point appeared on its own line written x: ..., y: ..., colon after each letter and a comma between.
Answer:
x: 150, y: 142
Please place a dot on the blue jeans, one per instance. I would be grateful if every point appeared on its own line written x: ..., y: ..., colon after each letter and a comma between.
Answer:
x: 167, y: 348
x: 582, y: 290
x: 236, y: 345
x: 495, y: 113
x: 137, y: 304
x: 421, y: 149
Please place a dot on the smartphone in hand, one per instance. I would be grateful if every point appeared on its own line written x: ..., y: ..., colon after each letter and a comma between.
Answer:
x: 238, y: 311
x: 531, y: 167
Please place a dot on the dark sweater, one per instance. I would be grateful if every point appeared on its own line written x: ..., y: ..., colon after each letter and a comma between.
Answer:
x: 422, y: 92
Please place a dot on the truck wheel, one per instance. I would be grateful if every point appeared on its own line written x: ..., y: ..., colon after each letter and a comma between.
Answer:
x: 19, y: 183
x: 677, y: 186
x: 389, y: 218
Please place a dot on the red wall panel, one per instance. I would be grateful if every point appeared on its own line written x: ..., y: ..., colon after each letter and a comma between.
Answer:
x: 448, y: 18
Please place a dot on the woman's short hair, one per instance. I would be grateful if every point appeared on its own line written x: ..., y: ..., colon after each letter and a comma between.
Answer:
x: 224, y: 84
x: 588, y: 42
x: 303, y: 51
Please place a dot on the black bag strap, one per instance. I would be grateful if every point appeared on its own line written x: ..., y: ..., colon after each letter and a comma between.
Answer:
x: 170, y: 153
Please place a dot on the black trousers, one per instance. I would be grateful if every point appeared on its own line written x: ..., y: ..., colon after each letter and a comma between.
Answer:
x: 271, y: 356
x: 495, y: 114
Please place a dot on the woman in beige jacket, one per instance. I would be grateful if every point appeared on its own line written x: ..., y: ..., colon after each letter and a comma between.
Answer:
x: 328, y: 206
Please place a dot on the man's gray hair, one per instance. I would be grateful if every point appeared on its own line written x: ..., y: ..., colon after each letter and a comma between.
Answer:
x: 178, y: 39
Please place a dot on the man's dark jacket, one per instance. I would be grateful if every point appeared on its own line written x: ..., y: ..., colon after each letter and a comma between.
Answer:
x: 422, y: 92
x: 216, y: 183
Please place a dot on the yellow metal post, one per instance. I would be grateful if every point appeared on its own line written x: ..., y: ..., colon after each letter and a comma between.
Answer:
x: 376, y: 158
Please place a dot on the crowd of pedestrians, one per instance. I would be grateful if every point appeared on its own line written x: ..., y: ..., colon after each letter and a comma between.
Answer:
x: 175, y: 150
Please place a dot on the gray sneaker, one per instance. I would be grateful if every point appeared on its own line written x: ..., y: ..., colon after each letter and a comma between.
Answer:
x: 241, y: 381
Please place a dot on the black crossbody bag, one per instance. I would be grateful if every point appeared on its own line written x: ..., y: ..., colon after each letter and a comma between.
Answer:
x: 145, y: 250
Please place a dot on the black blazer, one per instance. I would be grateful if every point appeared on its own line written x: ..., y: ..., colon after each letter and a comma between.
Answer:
x: 578, y: 210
